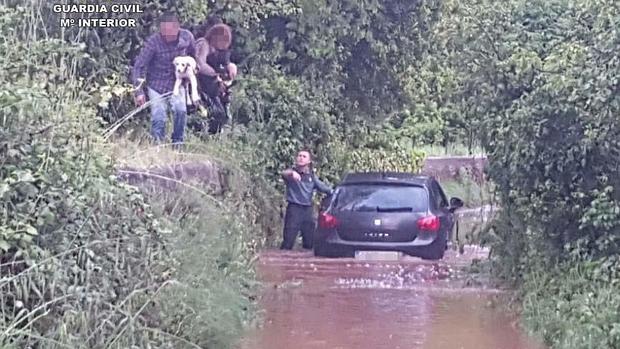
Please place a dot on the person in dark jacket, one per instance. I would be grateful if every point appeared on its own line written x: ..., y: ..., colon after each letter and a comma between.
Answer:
x: 301, y: 182
x: 213, y: 51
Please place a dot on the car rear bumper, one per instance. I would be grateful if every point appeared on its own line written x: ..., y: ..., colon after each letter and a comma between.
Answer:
x: 420, y: 243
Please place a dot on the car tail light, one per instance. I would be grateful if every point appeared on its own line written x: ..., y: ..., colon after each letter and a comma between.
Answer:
x: 327, y: 221
x: 430, y: 223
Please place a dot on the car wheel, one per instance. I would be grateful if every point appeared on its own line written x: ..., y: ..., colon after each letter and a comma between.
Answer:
x: 321, y: 250
x: 436, y: 250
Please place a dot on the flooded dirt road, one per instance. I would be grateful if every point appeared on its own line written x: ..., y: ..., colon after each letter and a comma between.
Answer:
x: 347, y: 303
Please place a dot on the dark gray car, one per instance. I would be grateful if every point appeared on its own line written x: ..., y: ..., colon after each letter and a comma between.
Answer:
x: 390, y: 211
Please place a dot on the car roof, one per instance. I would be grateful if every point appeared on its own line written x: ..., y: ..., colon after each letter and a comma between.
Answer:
x: 386, y: 177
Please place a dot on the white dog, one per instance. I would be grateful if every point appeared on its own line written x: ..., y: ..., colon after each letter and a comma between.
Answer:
x: 185, y: 67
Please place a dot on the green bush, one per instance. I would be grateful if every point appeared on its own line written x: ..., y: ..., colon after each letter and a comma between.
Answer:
x: 283, y: 115
x: 575, y: 305
x: 212, y: 301
x: 384, y: 153
x: 543, y: 106
x: 554, y: 148
x: 82, y: 254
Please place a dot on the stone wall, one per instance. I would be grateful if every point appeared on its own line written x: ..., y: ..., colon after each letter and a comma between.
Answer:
x: 207, y: 174
x: 204, y: 174
x: 455, y: 167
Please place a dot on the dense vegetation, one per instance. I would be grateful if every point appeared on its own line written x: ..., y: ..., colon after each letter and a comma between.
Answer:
x: 536, y: 84
x: 540, y: 79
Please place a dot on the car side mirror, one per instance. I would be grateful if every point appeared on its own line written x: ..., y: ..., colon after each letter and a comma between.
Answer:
x: 455, y: 203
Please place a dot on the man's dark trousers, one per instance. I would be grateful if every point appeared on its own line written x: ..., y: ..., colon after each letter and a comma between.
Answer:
x: 298, y: 217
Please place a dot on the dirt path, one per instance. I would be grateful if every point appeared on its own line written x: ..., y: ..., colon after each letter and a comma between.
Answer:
x: 347, y: 303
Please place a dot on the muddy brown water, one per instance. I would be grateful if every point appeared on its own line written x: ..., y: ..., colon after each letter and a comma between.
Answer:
x: 312, y: 303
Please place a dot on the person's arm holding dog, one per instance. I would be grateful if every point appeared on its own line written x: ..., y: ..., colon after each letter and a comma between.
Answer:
x: 232, y: 70
x: 202, y: 51
x: 139, y: 71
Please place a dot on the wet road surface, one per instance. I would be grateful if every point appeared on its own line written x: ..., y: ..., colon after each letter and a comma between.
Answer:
x: 313, y: 303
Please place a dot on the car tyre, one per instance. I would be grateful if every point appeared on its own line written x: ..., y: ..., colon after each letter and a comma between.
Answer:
x: 322, y: 250
x: 319, y: 247
x: 436, y: 250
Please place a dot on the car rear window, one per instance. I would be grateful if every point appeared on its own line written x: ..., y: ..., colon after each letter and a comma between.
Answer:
x: 374, y: 197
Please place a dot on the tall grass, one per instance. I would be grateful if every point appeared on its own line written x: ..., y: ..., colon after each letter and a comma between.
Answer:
x: 574, y: 305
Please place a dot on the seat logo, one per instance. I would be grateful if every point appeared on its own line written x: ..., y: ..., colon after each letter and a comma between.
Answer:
x: 377, y: 222
x: 377, y: 235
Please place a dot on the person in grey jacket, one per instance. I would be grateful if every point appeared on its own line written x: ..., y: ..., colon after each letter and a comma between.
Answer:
x: 301, y: 182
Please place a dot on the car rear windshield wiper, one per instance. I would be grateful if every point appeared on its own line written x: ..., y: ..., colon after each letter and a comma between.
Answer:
x: 365, y: 209
x: 394, y: 209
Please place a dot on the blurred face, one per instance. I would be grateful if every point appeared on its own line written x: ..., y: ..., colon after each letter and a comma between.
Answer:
x: 169, y: 30
x: 220, y: 43
x: 303, y: 159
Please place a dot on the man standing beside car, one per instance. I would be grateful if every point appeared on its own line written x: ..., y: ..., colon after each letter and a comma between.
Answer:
x: 301, y: 182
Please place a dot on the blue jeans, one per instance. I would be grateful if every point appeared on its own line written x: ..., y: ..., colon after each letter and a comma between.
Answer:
x: 159, y: 113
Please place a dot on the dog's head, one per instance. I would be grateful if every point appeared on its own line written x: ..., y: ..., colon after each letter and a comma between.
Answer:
x: 184, y: 64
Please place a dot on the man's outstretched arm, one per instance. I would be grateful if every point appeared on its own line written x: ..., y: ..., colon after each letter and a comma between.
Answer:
x: 322, y: 187
x: 288, y: 173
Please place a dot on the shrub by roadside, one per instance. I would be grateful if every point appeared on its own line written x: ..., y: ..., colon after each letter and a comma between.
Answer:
x: 82, y: 255
x: 213, y: 245
x: 575, y: 305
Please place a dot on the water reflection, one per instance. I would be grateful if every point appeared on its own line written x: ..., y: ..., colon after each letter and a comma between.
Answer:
x: 314, y: 303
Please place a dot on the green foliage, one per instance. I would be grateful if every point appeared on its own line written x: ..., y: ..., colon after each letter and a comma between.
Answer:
x: 383, y: 152
x: 283, y: 115
x: 549, y: 127
x: 400, y: 160
x: 575, y: 305
x: 357, y: 56
x: 537, y: 84
x: 81, y: 253
x: 212, y: 301
x: 249, y: 190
